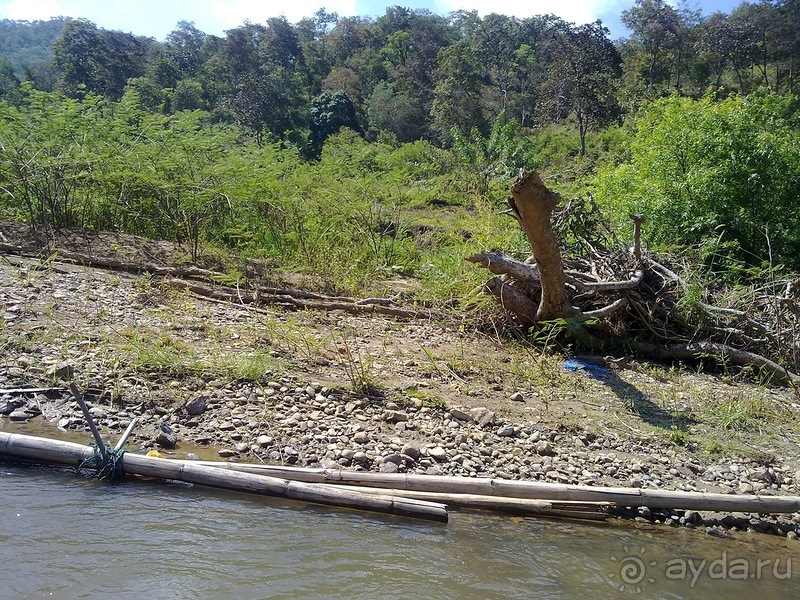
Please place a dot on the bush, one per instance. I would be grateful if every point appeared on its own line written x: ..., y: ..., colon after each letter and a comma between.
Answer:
x: 714, y: 174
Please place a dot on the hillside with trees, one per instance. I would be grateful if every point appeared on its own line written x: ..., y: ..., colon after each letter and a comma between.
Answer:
x: 358, y: 149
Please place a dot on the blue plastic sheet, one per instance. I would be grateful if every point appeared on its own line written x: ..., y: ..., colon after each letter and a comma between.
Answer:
x: 572, y: 364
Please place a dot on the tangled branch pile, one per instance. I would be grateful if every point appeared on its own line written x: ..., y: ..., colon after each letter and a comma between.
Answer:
x: 631, y: 300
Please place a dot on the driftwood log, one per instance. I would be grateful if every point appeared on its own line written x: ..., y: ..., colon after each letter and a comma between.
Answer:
x: 206, y: 284
x: 630, y: 294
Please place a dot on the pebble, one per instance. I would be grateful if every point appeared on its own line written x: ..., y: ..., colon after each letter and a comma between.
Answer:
x: 438, y: 453
x: 507, y: 431
x: 544, y: 448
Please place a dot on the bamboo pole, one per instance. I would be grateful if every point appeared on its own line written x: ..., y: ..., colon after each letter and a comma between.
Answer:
x: 101, y: 446
x: 61, y: 452
x: 126, y: 435
x: 589, y: 511
x: 484, y: 486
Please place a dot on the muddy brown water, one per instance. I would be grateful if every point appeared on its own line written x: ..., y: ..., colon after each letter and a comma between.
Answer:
x: 63, y: 535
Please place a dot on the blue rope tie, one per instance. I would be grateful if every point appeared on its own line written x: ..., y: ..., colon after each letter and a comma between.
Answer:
x: 108, y: 468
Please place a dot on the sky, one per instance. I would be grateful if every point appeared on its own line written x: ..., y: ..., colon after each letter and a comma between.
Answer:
x: 157, y: 18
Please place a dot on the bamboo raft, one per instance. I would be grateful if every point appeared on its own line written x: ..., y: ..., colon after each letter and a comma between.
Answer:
x: 506, y: 489
x: 68, y: 453
x: 408, y: 495
x: 299, y: 485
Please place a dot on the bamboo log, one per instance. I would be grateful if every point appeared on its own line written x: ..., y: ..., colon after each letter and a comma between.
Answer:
x: 57, y: 451
x: 588, y: 511
x: 484, y: 486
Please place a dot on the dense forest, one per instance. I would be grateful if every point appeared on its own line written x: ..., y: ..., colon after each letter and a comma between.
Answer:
x: 356, y: 147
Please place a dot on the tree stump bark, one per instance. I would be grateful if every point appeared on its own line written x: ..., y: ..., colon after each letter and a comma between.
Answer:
x: 533, y: 204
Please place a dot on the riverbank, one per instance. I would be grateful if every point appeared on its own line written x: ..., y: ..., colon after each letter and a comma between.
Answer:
x: 374, y: 393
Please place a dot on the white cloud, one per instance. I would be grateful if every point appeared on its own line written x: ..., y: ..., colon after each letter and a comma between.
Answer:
x: 32, y: 10
x: 232, y: 13
x: 575, y: 11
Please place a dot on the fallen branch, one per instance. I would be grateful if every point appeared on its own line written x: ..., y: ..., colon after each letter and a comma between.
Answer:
x: 29, y: 390
x: 500, y: 263
x: 606, y: 286
x: 239, y: 297
x: 697, y: 350
x: 602, y: 313
x: 512, y: 300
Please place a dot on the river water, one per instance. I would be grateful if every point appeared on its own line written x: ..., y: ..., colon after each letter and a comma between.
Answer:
x: 63, y: 535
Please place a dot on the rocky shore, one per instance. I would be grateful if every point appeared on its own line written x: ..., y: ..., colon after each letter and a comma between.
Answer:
x: 432, y: 405
x: 306, y: 424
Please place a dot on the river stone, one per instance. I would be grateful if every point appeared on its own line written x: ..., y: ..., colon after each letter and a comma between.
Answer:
x: 291, y: 456
x: 226, y: 452
x: 438, y: 453
x: 97, y: 412
x: 361, y: 437
x: 264, y: 441
x: 517, y: 397
x: 9, y: 407
x: 459, y: 414
x: 62, y: 371
x: 394, y: 416
x: 388, y: 467
x: 166, y: 439
x: 507, y: 431
x: 19, y: 415
x: 482, y: 416
x: 544, y: 448
x: 393, y: 458
x: 197, y: 406
x: 411, y: 449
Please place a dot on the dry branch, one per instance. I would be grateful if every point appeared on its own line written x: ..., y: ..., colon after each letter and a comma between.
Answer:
x: 698, y: 350
x: 500, y: 263
x: 512, y: 300
x: 603, y: 285
x: 293, y: 302
x: 179, y: 278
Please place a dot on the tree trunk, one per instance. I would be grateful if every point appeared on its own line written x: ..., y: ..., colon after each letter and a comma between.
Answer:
x: 533, y: 203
